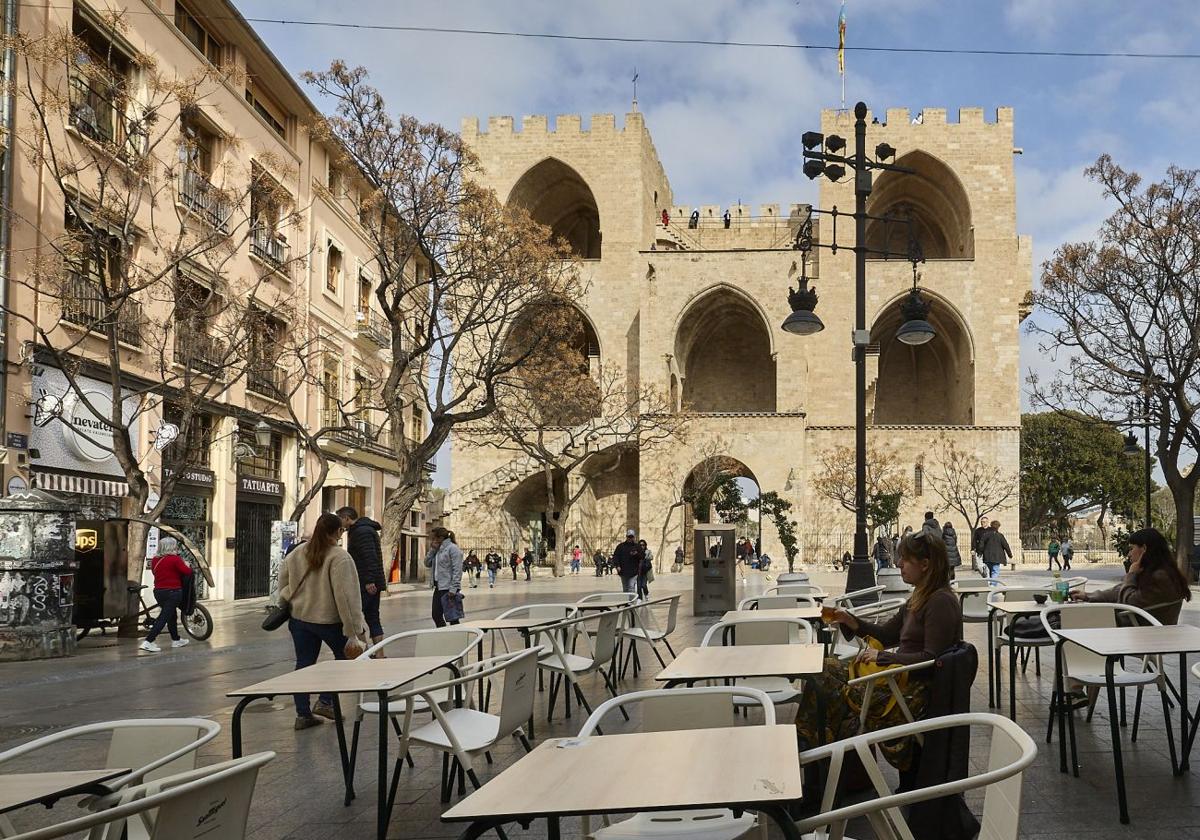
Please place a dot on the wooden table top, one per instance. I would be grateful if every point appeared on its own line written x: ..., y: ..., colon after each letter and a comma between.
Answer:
x: 803, y: 613
x: 20, y: 789
x: 347, y: 675
x: 508, y: 623
x: 715, y: 663
x: 1022, y: 607
x: 1135, y: 641
x: 643, y: 771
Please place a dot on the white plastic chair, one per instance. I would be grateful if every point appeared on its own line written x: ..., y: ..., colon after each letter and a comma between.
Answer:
x: 792, y: 577
x: 645, y: 628
x: 844, y: 648
x: 153, y: 747
x: 174, y: 806
x: 665, y: 710
x: 887, y: 676
x: 811, y: 589
x: 1011, y: 751
x: 972, y: 595
x: 777, y: 602
x: 555, y: 612
x: 467, y: 733
x: 763, y: 631
x: 1027, y: 644
x: 606, y: 599
x: 1077, y: 583
x: 848, y: 599
x: 1086, y: 670
x: 433, y: 641
x: 565, y: 665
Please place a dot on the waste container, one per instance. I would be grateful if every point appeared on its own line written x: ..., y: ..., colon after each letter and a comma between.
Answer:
x: 892, y: 583
x: 714, y: 572
x: 37, y: 576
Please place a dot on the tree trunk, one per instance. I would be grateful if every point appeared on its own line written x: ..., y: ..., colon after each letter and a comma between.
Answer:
x: 1185, y: 532
x: 130, y: 626
x: 395, y: 511
x: 559, y: 527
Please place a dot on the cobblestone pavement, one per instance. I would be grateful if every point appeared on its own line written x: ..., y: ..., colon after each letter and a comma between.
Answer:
x: 299, y: 793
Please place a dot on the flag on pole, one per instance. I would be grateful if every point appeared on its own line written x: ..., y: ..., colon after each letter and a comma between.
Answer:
x: 842, y: 40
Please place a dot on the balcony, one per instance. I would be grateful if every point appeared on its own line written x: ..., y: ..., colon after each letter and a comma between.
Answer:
x: 265, y: 379
x: 361, y: 433
x: 98, y: 112
x: 270, y: 248
x: 198, y: 195
x: 199, y: 352
x: 84, y: 305
x: 373, y: 327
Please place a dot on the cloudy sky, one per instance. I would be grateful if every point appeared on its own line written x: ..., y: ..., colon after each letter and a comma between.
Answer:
x: 727, y: 120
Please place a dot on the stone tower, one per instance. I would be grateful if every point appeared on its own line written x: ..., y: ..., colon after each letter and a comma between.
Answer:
x: 695, y: 311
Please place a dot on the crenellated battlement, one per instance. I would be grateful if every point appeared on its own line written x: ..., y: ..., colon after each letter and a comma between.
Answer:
x: 967, y: 116
x: 537, y: 125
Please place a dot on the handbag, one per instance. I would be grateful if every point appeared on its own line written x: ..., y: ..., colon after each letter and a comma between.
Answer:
x: 278, y: 615
x: 452, y: 606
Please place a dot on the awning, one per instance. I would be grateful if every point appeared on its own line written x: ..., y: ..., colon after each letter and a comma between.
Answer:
x: 60, y: 483
x: 339, y: 475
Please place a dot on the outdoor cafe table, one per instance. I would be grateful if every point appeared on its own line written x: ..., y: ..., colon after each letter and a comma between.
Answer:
x: 733, y: 662
x: 525, y: 625
x: 1013, y: 609
x: 346, y: 676
x: 755, y: 768
x: 1113, y: 643
x: 803, y: 613
x: 18, y: 790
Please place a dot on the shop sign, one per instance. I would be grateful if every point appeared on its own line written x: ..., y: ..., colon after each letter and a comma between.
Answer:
x: 261, y: 486
x: 85, y: 433
x: 195, y: 476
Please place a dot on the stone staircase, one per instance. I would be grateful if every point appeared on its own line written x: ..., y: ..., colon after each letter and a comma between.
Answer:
x: 682, y: 237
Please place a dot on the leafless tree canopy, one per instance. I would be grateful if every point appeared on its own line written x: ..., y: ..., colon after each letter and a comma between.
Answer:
x: 835, y: 480
x: 1127, y: 308
x: 967, y: 484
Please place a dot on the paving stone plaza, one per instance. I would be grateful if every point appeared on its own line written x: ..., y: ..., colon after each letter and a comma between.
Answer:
x: 299, y: 793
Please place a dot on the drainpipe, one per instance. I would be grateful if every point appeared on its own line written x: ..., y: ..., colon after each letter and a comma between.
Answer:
x: 6, y: 180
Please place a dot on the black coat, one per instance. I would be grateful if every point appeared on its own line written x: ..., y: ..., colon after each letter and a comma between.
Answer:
x: 945, y: 755
x: 363, y: 545
x: 628, y: 557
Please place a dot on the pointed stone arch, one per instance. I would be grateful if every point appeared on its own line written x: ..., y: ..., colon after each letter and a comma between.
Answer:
x: 557, y: 196
x: 934, y: 198
x: 927, y: 384
x: 725, y: 350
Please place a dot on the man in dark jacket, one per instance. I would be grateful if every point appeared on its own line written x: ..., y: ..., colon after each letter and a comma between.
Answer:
x: 627, y: 557
x: 362, y: 541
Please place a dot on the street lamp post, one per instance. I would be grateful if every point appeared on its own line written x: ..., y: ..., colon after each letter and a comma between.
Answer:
x: 1131, y: 448
x: 831, y: 162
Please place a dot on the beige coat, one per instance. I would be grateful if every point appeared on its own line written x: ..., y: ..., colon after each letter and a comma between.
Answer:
x: 1157, y: 593
x: 330, y: 593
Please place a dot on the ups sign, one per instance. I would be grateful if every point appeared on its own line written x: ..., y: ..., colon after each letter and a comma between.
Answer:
x: 86, y: 539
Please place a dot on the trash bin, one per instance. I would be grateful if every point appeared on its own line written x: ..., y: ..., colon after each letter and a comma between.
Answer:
x: 714, y: 573
x: 892, y: 583
x: 37, y: 576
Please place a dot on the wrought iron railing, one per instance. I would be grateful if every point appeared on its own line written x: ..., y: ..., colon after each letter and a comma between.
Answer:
x: 199, y: 351
x: 356, y: 431
x: 372, y: 326
x: 263, y: 377
x: 83, y: 304
x: 198, y: 195
x: 99, y: 111
x: 270, y: 247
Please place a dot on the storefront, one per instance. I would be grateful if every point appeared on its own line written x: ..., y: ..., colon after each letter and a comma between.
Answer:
x: 189, y: 511
x: 259, y: 503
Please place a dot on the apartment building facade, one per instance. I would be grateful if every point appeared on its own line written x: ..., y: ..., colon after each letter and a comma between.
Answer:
x: 243, y: 164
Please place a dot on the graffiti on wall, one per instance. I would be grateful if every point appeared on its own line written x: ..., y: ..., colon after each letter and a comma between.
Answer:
x: 34, y: 598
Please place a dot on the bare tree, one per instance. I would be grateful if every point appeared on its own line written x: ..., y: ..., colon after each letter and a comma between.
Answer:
x: 139, y: 284
x: 1127, y: 309
x: 967, y: 484
x: 457, y: 268
x: 887, y: 485
x: 574, y: 424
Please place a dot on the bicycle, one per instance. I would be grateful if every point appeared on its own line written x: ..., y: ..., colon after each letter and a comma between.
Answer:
x: 198, y: 625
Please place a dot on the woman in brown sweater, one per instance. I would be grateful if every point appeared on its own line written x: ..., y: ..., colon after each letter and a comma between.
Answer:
x: 1153, y: 582
x: 320, y: 581
x: 924, y: 628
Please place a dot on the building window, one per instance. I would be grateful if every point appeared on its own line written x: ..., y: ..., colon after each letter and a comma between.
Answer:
x: 417, y: 421
x: 94, y: 293
x: 263, y: 375
x: 918, y: 480
x: 336, y: 180
x: 364, y: 292
x: 331, y: 393
x: 192, y: 447
x: 100, y: 81
x: 198, y: 153
x: 415, y: 518
x: 200, y: 37
x: 333, y: 267
x: 265, y: 461
x: 267, y: 202
x: 262, y: 106
x: 197, y: 308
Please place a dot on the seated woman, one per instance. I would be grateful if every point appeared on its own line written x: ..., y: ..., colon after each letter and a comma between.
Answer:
x: 1154, y: 582
x: 924, y: 628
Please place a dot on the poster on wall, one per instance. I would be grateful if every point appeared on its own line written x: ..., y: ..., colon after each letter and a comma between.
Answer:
x: 67, y: 434
x: 283, y: 536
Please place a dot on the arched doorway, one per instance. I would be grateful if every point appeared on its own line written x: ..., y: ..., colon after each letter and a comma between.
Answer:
x: 933, y: 198
x: 556, y: 196
x: 926, y: 384
x: 723, y: 345
x: 719, y: 489
x: 558, y: 382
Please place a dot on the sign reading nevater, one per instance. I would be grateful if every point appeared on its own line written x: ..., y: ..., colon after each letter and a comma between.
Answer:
x: 72, y: 429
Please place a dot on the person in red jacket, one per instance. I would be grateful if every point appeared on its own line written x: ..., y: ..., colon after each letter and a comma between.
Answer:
x: 169, y: 571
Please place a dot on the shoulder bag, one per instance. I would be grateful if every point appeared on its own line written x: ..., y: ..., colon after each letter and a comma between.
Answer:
x: 278, y: 615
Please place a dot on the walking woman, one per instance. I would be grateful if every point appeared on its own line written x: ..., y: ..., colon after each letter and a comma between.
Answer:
x: 928, y: 625
x: 953, y: 556
x: 1153, y: 582
x: 445, y: 564
x: 320, y: 582
x: 170, y: 572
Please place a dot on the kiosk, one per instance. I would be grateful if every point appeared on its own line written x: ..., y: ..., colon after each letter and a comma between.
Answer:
x: 714, y: 570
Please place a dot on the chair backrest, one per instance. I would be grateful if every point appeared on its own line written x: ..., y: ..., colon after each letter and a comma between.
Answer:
x: 520, y: 683
x: 211, y: 801
x: 548, y: 611
x: 973, y: 594
x: 666, y: 710
x: 796, y: 589
x: 792, y: 577
x: 887, y: 605
x: 151, y: 747
x: 1012, y: 751
x: 607, y: 599
x: 605, y: 644
x: 975, y: 585
x: 444, y: 641
x: 777, y: 602
x: 1079, y: 660
x: 1077, y: 582
x: 644, y: 616
x: 848, y: 598
x: 759, y: 631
